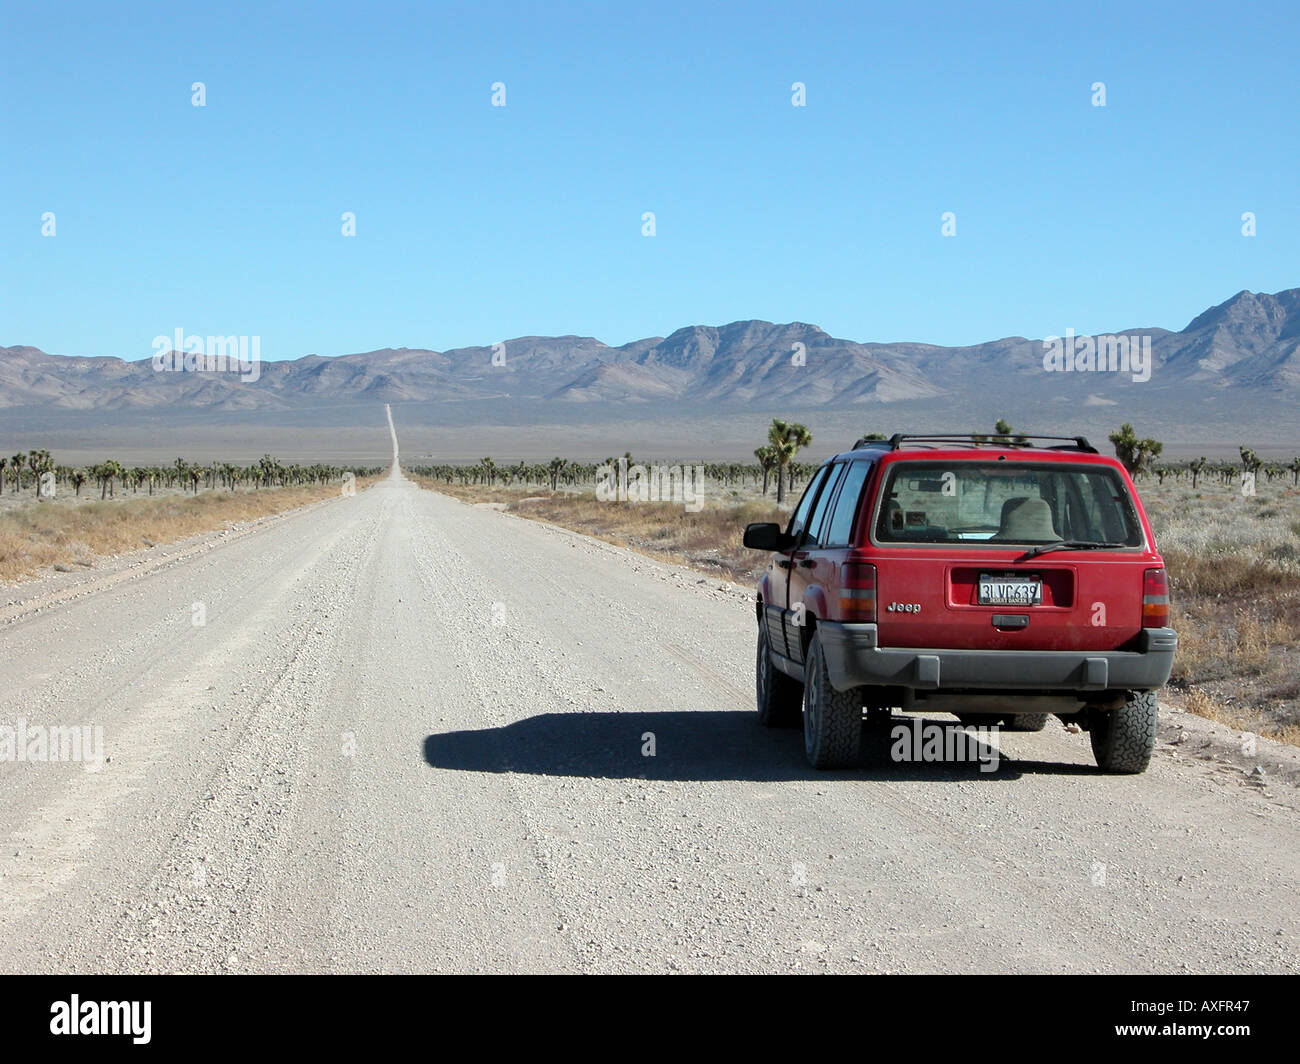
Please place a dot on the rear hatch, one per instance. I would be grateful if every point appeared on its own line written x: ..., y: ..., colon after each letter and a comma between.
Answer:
x: 998, y: 554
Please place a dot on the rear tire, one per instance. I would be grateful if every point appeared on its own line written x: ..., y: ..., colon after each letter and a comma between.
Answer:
x: 832, y: 720
x: 1025, y: 721
x: 780, y: 698
x: 1123, y: 739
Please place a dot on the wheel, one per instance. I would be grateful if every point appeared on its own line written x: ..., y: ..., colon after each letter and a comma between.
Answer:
x: 1122, y: 739
x: 780, y: 699
x: 1025, y: 721
x: 832, y: 720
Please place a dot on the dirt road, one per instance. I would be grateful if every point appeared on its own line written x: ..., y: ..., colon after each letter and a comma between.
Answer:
x: 413, y: 735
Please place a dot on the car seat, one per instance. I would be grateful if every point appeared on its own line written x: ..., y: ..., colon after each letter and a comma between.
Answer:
x: 1030, y: 522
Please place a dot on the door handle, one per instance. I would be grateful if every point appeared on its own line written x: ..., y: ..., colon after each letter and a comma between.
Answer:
x: 784, y: 563
x: 1010, y: 620
x: 807, y: 563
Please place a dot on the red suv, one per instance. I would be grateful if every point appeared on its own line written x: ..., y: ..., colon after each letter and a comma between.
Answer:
x: 1001, y: 579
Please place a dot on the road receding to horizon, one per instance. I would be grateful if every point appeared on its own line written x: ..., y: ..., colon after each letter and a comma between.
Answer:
x: 411, y: 734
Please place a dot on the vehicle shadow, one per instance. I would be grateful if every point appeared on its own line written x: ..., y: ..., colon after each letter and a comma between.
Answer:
x: 705, y: 745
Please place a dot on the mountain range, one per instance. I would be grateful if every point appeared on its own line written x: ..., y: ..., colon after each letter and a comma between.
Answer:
x: 1247, y: 347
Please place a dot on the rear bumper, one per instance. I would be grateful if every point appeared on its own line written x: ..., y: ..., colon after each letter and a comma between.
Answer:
x: 853, y: 660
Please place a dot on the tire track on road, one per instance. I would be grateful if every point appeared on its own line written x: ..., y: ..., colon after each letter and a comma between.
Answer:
x: 207, y: 902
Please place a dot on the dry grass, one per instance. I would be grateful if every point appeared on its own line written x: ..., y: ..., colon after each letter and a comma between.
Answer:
x: 39, y: 536
x: 1234, y: 567
x: 707, y: 540
x: 1205, y: 705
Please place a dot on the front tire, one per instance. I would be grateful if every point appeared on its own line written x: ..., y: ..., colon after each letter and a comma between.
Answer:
x: 780, y: 699
x: 832, y: 720
x: 1123, y: 739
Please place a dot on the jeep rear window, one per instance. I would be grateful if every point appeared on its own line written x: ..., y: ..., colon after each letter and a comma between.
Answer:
x: 1005, y: 502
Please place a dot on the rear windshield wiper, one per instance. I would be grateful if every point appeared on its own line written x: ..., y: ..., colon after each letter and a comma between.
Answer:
x: 1069, y: 544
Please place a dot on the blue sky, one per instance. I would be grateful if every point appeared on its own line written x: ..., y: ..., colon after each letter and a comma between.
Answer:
x: 477, y: 223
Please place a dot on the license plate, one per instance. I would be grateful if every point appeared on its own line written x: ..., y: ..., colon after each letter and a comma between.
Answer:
x: 1010, y: 590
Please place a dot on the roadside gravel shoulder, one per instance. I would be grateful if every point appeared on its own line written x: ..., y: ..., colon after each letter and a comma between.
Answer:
x: 31, y: 596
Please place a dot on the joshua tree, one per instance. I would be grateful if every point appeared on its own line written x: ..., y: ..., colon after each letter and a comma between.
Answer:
x: 1196, y: 468
x: 270, y: 471
x: 1135, y: 454
x: 105, y: 473
x: 786, y: 439
x: 17, y: 462
x: 40, y: 463
x: 78, y: 478
x: 766, y: 456
x: 556, y: 467
x: 1295, y: 471
x: 1005, y: 433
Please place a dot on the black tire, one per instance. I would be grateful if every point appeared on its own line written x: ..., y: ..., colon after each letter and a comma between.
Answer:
x: 832, y: 720
x: 1025, y: 721
x: 780, y: 698
x: 1123, y: 739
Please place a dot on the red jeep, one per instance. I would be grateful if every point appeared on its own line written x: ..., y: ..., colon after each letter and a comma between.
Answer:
x: 1001, y: 579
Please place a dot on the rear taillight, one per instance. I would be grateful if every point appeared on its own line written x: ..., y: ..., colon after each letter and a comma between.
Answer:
x: 858, y: 592
x: 1155, y: 599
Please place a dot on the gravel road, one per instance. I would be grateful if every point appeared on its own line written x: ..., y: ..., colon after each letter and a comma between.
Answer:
x: 411, y: 734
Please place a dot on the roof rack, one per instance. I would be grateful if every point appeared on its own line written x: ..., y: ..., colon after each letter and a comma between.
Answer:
x: 974, y: 439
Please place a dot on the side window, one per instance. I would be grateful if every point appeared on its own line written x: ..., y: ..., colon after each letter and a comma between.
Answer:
x: 817, y: 522
x: 846, y: 507
x: 799, y: 521
x: 1109, y: 513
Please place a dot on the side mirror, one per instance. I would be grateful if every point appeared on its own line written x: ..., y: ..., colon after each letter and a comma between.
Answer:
x: 766, y: 536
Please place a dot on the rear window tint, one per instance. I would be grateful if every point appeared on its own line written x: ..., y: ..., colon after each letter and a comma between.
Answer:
x: 1005, y: 502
